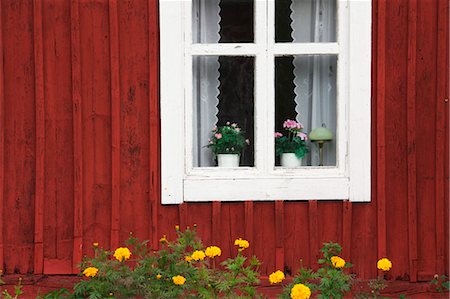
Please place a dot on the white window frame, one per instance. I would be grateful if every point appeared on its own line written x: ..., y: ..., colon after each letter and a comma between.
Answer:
x: 349, y: 180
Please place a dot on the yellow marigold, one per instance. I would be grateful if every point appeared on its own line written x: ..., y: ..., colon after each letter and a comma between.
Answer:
x: 163, y: 239
x: 178, y: 280
x: 276, y: 277
x: 241, y: 243
x: 213, y: 251
x: 158, y: 276
x: 90, y: 272
x: 300, y: 291
x: 337, y: 261
x: 122, y: 254
x: 198, y: 255
x: 95, y: 244
x: 188, y: 258
x: 384, y: 264
x: 177, y: 227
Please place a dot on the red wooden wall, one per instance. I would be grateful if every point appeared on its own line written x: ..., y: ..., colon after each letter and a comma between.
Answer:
x: 79, y: 146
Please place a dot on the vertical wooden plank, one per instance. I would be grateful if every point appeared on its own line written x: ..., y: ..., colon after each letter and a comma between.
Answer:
x: 248, y: 224
x: 279, y: 235
x: 314, y: 245
x: 77, y: 136
x: 182, y: 215
x: 40, y: 138
x: 2, y: 141
x: 346, y: 229
x: 155, y: 172
x: 216, y: 233
x: 441, y: 106
x: 411, y: 139
x: 381, y: 138
x: 115, y: 122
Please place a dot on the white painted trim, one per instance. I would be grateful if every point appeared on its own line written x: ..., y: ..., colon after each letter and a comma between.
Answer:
x: 172, y: 96
x: 266, y: 189
x: 349, y: 180
x: 360, y: 16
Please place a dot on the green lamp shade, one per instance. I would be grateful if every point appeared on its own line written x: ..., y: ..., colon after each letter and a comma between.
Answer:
x: 320, y: 134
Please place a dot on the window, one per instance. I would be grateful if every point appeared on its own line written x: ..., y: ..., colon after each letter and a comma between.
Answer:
x: 258, y: 63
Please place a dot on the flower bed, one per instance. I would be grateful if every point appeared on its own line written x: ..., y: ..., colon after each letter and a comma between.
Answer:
x: 185, y: 268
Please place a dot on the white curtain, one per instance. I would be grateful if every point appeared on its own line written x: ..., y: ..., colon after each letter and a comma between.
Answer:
x: 205, y: 29
x: 315, y: 76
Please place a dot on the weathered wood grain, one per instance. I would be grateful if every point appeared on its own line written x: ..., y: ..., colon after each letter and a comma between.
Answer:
x: 80, y: 146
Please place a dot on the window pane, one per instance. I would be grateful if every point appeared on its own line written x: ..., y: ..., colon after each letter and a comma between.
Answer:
x: 305, y: 91
x: 223, y: 92
x: 222, y: 21
x: 305, y: 21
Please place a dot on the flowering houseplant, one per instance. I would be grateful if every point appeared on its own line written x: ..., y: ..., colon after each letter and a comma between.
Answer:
x: 293, y: 142
x: 228, y: 139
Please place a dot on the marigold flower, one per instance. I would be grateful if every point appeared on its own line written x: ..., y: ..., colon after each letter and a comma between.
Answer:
x: 188, y: 259
x: 300, y: 291
x: 276, y: 277
x: 163, y: 239
x: 384, y: 264
x: 177, y: 227
x: 241, y: 243
x: 198, y: 255
x: 95, y: 244
x: 90, y: 272
x: 122, y: 254
x: 178, y: 280
x: 213, y: 251
x: 337, y: 262
x: 158, y: 276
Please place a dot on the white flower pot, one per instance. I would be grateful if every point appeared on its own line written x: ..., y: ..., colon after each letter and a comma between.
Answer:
x: 290, y: 160
x: 228, y: 160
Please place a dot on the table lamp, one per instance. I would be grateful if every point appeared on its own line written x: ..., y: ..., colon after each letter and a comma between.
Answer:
x: 320, y: 136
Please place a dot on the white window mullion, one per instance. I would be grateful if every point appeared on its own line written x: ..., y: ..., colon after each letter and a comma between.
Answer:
x: 270, y: 86
x: 305, y: 48
x: 261, y: 69
x: 235, y: 49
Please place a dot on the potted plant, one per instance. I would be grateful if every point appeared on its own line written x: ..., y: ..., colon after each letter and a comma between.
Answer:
x: 291, y: 147
x: 227, y: 143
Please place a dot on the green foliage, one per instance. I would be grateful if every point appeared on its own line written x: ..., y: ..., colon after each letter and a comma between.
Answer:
x: 228, y: 139
x: 149, y: 274
x: 328, y: 281
x: 440, y: 283
x: 17, y: 291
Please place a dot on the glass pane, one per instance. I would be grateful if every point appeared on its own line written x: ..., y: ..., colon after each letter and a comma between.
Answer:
x: 223, y: 95
x: 222, y: 21
x: 305, y: 21
x: 305, y: 94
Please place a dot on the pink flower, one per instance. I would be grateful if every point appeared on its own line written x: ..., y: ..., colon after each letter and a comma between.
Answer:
x: 237, y: 129
x: 278, y: 135
x: 302, y: 135
x: 234, y: 125
x: 228, y: 123
x: 292, y: 124
x: 218, y: 135
x: 214, y: 129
